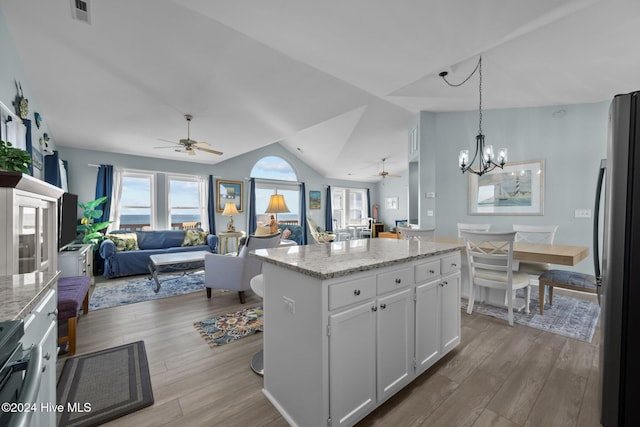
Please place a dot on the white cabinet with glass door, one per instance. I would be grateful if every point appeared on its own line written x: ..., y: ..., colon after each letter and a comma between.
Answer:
x: 28, y: 224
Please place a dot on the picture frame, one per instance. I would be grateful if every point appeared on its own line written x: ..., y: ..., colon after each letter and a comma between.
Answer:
x: 37, y: 159
x: 517, y: 189
x: 314, y: 199
x: 391, y: 203
x: 229, y: 191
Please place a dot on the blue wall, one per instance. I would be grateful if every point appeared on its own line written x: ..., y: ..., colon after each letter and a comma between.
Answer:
x: 82, y: 177
x: 571, y: 139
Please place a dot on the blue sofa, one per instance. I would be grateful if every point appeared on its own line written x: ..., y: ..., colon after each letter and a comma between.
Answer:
x: 150, y: 242
x: 296, y: 232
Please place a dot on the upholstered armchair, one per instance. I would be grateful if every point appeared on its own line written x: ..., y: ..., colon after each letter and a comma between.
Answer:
x: 235, y: 272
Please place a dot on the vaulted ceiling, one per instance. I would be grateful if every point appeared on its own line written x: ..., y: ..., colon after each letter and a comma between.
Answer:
x: 336, y: 82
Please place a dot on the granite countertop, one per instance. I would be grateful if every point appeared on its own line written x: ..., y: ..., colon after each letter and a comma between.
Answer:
x: 336, y: 259
x: 20, y: 293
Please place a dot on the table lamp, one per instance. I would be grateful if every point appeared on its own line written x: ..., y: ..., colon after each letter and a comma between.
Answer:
x: 276, y: 205
x: 230, y: 210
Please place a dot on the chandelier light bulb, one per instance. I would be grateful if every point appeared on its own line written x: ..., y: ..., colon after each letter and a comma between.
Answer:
x: 488, y: 153
x: 463, y: 158
x: 502, y: 156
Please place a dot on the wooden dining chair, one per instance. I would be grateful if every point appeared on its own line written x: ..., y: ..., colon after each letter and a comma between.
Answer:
x: 490, y: 258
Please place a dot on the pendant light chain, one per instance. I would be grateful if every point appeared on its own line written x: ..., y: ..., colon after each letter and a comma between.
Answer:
x: 479, y: 68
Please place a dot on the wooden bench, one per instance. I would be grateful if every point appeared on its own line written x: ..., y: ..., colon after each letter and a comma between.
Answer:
x: 73, y: 294
x: 567, y: 280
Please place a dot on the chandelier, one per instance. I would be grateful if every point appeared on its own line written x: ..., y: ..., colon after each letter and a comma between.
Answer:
x: 487, y: 160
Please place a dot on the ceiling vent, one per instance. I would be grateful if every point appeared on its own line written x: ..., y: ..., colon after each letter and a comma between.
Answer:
x: 80, y: 10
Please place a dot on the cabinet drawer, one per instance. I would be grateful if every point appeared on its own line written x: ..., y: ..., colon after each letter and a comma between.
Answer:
x: 394, y: 280
x: 427, y: 271
x: 450, y: 263
x: 38, y: 321
x: 346, y: 293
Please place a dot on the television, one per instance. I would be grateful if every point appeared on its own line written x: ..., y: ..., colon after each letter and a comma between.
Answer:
x: 67, y: 219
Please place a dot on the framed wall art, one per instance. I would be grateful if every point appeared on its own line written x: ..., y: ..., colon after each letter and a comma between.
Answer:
x: 517, y: 189
x: 314, y: 199
x: 229, y: 191
x: 391, y: 202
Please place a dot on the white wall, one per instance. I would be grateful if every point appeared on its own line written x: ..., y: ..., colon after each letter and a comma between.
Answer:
x: 11, y: 70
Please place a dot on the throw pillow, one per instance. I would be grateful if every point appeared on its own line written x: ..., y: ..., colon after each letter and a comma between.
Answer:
x: 262, y: 231
x: 124, y: 241
x: 195, y: 238
x: 286, y: 233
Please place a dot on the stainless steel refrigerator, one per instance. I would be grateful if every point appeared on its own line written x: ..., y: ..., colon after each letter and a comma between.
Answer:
x: 619, y: 278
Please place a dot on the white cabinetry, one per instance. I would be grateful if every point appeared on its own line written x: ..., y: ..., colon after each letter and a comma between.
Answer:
x: 76, y: 260
x: 383, y: 328
x: 41, y: 329
x: 28, y: 224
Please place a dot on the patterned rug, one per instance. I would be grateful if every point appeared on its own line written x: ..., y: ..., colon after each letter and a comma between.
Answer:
x: 117, y: 292
x: 231, y: 327
x: 569, y: 317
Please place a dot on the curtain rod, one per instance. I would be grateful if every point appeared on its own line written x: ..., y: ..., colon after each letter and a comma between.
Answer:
x: 93, y: 165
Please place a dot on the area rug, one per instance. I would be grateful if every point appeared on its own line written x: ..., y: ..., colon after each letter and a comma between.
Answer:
x: 98, y: 387
x: 231, y: 327
x: 117, y: 292
x: 570, y: 317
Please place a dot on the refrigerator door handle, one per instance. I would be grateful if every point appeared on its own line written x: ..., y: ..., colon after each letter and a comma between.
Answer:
x: 596, y: 223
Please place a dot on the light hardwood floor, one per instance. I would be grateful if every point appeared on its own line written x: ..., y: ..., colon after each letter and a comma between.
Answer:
x: 497, y: 376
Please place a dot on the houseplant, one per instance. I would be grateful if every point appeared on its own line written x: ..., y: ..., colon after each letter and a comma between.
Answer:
x: 92, y: 229
x: 13, y: 159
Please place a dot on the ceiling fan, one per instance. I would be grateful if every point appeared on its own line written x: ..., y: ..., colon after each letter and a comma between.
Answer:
x: 188, y: 144
x: 384, y: 174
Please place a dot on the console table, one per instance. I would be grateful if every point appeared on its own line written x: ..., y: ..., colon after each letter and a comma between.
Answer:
x: 224, y: 237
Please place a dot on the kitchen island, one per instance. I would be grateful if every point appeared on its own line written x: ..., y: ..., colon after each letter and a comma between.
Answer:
x: 349, y: 324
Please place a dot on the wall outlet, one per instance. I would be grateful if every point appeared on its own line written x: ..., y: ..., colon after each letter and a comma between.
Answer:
x: 429, y: 213
x: 290, y: 305
x: 583, y: 213
x: 430, y: 195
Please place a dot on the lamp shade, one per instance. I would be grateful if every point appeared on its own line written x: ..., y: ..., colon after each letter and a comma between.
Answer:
x: 229, y: 209
x: 277, y: 204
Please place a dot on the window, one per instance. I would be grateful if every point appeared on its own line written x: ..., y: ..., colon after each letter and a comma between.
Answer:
x: 186, y: 200
x: 271, y: 174
x: 136, y: 203
x: 349, y: 206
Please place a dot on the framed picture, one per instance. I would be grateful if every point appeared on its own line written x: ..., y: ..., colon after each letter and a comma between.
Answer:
x: 391, y: 202
x: 314, y: 199
x: 37, y: 159
x: 517, y: 189
x: 229, y: 191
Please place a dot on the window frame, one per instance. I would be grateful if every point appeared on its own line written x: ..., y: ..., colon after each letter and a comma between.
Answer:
x: 345, y: 218
x: 202, y: 205
x: 151, y: 176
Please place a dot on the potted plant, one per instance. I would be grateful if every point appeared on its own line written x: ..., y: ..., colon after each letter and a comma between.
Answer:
x: 13, y: 159
x: 91, y: 230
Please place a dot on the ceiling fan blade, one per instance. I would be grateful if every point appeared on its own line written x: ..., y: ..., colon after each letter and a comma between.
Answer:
x: 173, y: 146
x: 199, y: 143
x: 191, y: 152
x: 209, y: 150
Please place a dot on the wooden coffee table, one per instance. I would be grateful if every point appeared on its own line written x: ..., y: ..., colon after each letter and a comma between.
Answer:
x: 179, y: 261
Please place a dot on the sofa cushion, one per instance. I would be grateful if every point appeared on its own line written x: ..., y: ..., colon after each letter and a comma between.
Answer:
x: 124, y: 241
x: 194, y: 238
x: 158, y: 239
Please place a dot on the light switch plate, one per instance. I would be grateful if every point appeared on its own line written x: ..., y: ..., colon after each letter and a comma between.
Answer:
x: 583, y: 213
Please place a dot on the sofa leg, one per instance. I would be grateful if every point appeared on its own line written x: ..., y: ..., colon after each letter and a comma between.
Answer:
x: 208, y: 292
x: 241, y: 295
